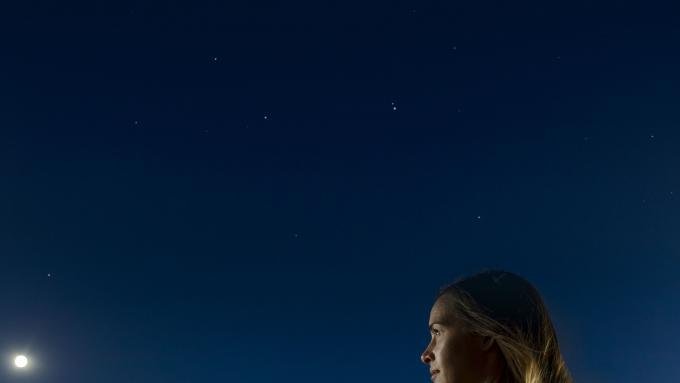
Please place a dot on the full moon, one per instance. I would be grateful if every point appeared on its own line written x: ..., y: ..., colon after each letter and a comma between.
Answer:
x: 21, y: 361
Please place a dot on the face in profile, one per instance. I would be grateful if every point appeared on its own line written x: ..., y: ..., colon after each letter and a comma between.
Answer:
x: 454, y: 355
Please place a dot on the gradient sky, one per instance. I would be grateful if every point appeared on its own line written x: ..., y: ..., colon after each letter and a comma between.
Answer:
x: 258, y: 192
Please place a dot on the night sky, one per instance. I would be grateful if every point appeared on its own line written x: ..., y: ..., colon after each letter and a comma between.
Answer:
x: 257, y: 192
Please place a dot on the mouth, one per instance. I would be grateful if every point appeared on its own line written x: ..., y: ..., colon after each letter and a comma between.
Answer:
x: 433, y: 374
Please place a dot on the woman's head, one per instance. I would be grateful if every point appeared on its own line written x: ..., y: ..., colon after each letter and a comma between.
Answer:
x: 493, y: 327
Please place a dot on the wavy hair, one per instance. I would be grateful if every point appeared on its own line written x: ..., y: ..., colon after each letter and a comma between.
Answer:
x: 507, y: 308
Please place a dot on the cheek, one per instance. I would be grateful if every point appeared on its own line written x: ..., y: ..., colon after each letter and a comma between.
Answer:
x: 450, y: 358
x: 446, y: 356
x: 460, y: 363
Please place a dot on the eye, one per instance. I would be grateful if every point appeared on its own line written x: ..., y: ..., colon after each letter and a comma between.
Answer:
x: 435, y: 331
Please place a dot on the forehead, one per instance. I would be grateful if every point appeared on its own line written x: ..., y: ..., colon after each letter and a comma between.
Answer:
x: 442, y: 311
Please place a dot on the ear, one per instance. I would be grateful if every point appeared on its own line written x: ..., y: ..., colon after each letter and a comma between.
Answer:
x: 486, y: 342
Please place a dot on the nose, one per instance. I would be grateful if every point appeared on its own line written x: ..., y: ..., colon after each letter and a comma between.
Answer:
x: 427, y: 356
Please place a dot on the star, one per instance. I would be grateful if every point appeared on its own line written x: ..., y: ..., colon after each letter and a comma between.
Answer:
x: 265, y: 116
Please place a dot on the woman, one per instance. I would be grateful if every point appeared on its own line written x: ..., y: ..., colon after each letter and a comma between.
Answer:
x: 493, y: 327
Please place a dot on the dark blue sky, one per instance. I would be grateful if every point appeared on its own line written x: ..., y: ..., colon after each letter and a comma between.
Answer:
x: 264, y: 192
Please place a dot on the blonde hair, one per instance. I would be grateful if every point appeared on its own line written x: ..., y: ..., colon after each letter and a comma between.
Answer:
x: 508, y: 309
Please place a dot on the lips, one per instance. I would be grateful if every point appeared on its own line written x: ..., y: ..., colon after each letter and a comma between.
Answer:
x: 433, y: 373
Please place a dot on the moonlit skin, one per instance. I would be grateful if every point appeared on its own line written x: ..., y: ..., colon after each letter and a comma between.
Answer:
x: 20, y: 361
x: 459, y: 356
